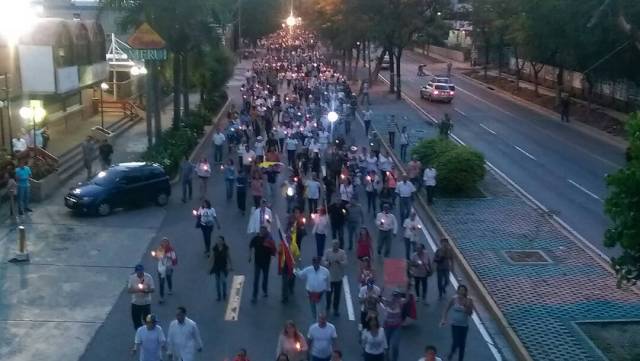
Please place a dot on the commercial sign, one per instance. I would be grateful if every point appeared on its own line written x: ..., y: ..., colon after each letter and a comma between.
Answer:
x: 146, y: 44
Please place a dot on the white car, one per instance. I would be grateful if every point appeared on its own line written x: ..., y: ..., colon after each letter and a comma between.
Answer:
x: 438, y: 91
x: 385, y: 62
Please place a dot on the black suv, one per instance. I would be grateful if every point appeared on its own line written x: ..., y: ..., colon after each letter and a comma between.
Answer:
x: 119, y: 186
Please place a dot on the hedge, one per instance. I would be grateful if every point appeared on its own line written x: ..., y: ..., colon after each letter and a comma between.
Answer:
x: 459, y: 167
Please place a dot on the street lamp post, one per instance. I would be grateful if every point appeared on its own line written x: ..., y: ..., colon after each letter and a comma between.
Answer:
x: 103, y: 87
x: 35, y: 114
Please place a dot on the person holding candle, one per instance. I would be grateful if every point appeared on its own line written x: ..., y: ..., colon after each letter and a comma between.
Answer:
x: 387, y: 229
x: 207, y: 218
x: 320, y: 229
x: 140, y: 287
x: 420, y: 269
x: 412, y: 228
x: 203, y: 170
x: 167, y: 260
x: 292, y: 343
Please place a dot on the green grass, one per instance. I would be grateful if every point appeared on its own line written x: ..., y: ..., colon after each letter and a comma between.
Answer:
x: 618, y: 341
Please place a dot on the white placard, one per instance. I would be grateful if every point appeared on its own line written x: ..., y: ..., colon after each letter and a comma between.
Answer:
x: 36, y: 69
x: 67, y: 79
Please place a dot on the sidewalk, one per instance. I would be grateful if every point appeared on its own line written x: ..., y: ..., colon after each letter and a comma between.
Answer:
x: 544, y: 300
x: 51, y: 307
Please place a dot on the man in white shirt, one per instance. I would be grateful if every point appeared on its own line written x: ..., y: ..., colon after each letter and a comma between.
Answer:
x: 385, y: 162
x: 218, y: 141
x: 335, y: 259
x: 261, y: 216
x: 429, y: 180
x: 317, y: 280
x: 405, y: 190
x: 321, y: 337
x: 412, y: 228
x: 291, y: 144
x: 248, y: 156
x: 313, y: 193
x: 387, y: 229
x: 140, y: 287
x: 183, y: 338
x: 150, y: 340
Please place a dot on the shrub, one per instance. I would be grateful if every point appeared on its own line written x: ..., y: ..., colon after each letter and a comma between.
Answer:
x: 169, y: 150
x: 427, y: 151
x: 459, y: 170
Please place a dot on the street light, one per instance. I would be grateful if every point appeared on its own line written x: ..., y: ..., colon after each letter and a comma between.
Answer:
x: 332, y: 117
x: 103, y: 88
x: 291, y: 21
x: 16, y: 18
x: 35, y: 113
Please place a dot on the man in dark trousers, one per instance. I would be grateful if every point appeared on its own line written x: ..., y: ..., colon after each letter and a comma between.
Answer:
x: 565, y: 103
x: 263, y: 248
x: 338, y: 217
x: 105, y: 150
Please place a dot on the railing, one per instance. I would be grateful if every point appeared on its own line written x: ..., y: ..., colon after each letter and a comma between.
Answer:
x: 124, y: 107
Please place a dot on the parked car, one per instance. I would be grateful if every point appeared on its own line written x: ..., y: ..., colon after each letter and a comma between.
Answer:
x: 438, y: 91
x: 119, y: 186
x: 441, y: 79
x: 385, y: 62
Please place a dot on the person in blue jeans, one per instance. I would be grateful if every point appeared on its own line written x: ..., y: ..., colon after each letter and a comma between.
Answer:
x: 186, y: 175
x: 23, y: 173
x: 220, y: 263
x: 230, y: 177
x: 462, y: 308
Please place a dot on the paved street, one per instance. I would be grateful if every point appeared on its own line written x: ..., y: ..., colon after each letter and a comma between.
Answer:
x: 258, y: 325
x: 560, y: 166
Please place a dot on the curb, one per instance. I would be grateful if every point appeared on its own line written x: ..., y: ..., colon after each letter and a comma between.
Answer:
x: 205, y: 138
x: 577, y: 125
x: 513, y: 340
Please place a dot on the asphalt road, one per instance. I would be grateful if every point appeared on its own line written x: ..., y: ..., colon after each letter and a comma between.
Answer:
x: 561, y: 167
x: 258, y: 325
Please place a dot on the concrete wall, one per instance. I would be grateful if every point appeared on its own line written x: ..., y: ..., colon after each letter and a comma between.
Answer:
x: 455, y: 55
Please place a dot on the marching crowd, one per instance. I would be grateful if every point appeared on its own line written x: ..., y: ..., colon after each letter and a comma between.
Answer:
x: 290, y: 139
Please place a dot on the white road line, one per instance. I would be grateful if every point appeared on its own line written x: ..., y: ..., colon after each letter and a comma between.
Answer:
x: 347, y: 298
x: 525, y: 152
x: 487, y: 129
x: 235, y: 296
x: 584, y: 190
x: 460, y: 111
x: 520, y: 190
x: 454, y: 283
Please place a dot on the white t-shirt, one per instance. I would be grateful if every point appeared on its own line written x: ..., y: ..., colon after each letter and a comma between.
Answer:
x: 374, y: 345
x: 218, y: 139
x: 291, y: 144
x: 322, y: 339
x: 429, y: 177
x: 139, y: 298
x: 207, y: 216
x: 150, y: 343
x: 405, y: 189
x: 313, y: 189
x: 411, y: 228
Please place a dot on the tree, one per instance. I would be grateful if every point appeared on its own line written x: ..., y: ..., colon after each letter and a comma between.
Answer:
x: 623, y: 207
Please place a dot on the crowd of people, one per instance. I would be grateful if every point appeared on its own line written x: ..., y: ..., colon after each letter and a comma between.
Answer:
x: 283, y: 142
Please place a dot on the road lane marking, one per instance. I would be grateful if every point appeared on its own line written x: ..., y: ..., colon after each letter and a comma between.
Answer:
x: 584, y: 190
x: 511, y: 182
x: 235, y: 296
x: 454, y: 283
x: 487, y: 128
x: 524, y: 152
x: 460, y: 111
x: 347, y: 298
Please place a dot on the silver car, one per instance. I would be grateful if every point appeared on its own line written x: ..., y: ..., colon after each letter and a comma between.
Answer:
x: 438, y: 91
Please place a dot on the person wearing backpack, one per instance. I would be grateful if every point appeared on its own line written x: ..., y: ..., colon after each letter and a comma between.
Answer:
x: 206, y: 219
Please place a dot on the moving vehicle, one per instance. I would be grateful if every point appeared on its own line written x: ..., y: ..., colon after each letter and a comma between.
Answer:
x: 385, y: 62
x: 438, y: 91
x: 119, y: 186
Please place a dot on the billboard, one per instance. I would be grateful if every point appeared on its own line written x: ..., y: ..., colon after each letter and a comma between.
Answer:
x: 37, y: 71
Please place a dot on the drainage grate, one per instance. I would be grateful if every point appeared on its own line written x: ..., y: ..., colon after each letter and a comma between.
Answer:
x: 527, y: 256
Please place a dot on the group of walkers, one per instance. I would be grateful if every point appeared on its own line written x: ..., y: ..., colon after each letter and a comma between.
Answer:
x: 282, y: 144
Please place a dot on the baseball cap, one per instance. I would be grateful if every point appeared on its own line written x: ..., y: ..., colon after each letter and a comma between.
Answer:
x: 139, y: 268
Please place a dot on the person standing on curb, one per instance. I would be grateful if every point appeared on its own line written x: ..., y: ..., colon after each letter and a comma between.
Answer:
x: 140, y: 287
x: 23, y: 174
x: 317, y: 280
x: 105, y: 150
x: 443, y: 259
x: 387, y: 230
x: 420, y: 269
x: 186, y: 176
x: 292, y: 343
x: 374, y: 341
x: 218, y: 140
x: 167, y: 260
x: 429, y: 179
x: 150, y: 340
x: 207, y: 218
x: 183, y: 338
x: 322, y: 339
x: 88, y: 155
x: 263, y: 248
x: 462, y: 308
x: 220, y: 266
x: 335, y: 260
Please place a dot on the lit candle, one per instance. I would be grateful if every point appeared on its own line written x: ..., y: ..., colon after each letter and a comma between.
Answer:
x: 304, y: 220
x: 140, y: 286
x: 369, y: 178
x: 205, y: 167
x: 221, y: 167
x: 290, y: 191
x: 153, y: 253
x: 298, y: 346
x: 195, y: 213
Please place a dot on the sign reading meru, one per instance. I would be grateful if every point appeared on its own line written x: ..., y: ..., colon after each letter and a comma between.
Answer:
x: 146, y: 44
